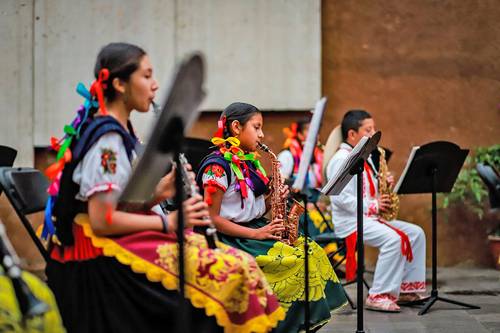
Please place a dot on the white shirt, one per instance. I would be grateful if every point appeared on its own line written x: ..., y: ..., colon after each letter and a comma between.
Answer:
x: 105, y: 168
x: 344, y: 205
x: 286, y: 168
x: 231, y: 201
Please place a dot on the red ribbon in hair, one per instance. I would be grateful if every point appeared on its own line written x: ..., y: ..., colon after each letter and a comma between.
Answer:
x: 220, y: 127
x: 97, y: 89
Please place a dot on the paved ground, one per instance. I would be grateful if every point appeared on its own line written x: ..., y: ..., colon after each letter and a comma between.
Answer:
x: 475, y: 286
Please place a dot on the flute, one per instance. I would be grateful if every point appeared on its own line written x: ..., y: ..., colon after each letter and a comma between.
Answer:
x: 191, y: 189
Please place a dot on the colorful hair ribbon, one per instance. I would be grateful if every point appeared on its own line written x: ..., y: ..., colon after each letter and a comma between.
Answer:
x: 218, y: 141
x: 87, y: 104
x: 62, y: 146
x: 291, y: 134
x: 220, y: 127
x: 97, y: 89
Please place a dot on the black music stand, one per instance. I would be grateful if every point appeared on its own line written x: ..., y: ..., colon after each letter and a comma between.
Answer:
x: 354, y: 165
x: 433, y: 168
x: 179, y: 111
x: 299, y: 187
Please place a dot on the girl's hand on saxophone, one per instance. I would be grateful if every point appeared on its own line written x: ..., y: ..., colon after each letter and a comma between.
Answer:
x: 284, y: 192
x: 270, y: 230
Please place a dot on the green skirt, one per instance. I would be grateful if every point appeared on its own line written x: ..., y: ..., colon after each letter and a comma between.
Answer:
x: 283, y: 266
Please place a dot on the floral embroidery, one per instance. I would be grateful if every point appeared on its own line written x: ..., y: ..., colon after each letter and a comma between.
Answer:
x: 372, y: 209
x: 284, y: 269
x: 108, y: 160
x: 218, y: 273
x: 215, y: 170
x: 411, y: 287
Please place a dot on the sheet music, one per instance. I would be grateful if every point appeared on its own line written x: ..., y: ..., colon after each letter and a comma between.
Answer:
x: 342, y: 171
x: 405, y: 170
x: 312, y: 138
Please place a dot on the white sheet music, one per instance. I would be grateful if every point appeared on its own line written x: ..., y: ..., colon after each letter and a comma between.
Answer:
x: 312, y: 138
x: 342, y: 171
x: 407, y: 166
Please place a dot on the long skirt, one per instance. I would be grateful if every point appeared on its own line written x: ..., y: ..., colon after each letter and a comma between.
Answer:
x: 283, y: 266
x: 129, y: 284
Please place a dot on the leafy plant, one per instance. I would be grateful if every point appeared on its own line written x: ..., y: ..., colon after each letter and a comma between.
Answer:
x: 469, y: 189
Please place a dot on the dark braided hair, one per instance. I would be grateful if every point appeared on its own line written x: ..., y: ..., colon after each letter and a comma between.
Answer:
x: 121, y: 59
x: 239, y: 111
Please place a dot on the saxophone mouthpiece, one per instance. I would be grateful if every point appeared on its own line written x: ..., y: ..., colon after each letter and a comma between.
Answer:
x: 263, y: 147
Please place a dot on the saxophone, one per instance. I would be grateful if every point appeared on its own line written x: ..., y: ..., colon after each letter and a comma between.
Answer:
x: 384, y: 188
x: 279, y: 207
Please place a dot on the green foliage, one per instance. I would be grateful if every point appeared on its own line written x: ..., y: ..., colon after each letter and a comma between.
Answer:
x: 469, y: 189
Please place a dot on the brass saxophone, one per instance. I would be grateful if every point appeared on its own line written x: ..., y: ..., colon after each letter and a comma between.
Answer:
x: 279, y: 207
x: 383, y: 188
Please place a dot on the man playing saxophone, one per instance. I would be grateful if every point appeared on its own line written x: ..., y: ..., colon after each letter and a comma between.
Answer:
x: 400, y: 270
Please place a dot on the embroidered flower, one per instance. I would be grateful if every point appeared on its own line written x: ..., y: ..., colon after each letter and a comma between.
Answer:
x: 215, y: 170
x: 108, y: 160
x: 284, y: 269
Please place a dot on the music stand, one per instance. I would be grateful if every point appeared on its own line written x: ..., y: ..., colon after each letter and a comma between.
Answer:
x: 298, y: 186
x: 433, y: 168
x: 179, y: 111
x: 354, y: 165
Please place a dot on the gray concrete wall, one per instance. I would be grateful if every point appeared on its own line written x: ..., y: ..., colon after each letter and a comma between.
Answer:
x: 16, y: 79
x: 265, y: 52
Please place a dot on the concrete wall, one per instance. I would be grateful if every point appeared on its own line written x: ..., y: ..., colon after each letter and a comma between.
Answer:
x: 264, y: 51
x: 16, y: 80
x: 426, y: 70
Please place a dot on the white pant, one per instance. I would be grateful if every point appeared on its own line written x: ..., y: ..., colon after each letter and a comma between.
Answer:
x: 393, y: 273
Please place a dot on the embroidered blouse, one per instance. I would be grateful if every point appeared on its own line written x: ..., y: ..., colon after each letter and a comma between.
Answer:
x: 231, y: 207
x: 287, y: 164
x: 105, y: 167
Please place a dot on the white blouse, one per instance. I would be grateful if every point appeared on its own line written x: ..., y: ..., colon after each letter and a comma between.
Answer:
x: 105, y: 168
x: 231, y: 201
x: 286, y: 167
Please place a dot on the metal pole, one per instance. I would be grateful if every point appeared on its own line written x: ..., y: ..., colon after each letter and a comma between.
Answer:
x: 360, y: 248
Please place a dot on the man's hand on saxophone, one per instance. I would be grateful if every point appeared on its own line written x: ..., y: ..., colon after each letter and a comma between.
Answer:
x: 384, y: 202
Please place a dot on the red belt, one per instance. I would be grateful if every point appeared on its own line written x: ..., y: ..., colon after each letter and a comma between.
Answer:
x: 351, y: 262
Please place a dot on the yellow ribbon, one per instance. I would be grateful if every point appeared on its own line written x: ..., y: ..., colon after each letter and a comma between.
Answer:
x: 231, y: 140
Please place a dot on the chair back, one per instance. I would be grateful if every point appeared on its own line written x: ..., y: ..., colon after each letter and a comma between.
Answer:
x: 26, y: 190
x: 195, y: 150
x: 7, y: 156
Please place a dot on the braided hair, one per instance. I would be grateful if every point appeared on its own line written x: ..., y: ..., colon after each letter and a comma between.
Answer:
x: 239, y: 111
